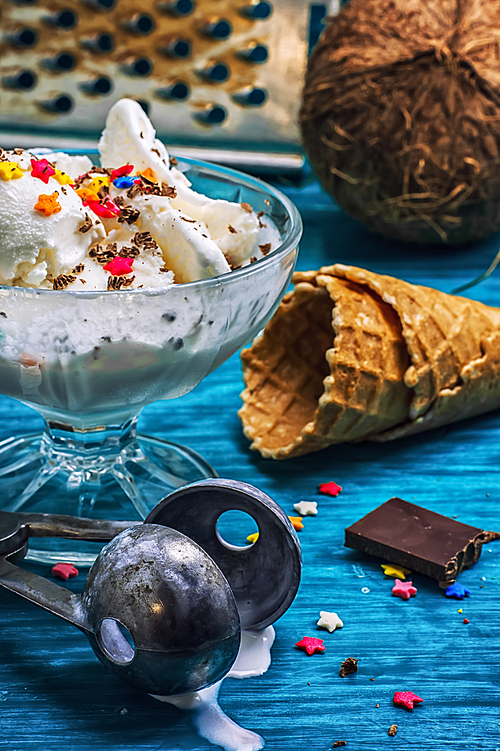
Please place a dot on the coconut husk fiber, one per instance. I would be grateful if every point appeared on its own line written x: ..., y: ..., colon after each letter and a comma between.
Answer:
x: 351, y: 355
x: 401, y: 116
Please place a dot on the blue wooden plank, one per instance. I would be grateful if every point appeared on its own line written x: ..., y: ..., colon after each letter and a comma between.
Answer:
x: 55, y: 695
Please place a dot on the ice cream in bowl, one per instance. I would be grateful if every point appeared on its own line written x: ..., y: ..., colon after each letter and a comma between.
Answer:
x: 120, y: 285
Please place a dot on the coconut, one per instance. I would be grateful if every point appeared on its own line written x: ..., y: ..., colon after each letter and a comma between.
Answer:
x: 400, y: 116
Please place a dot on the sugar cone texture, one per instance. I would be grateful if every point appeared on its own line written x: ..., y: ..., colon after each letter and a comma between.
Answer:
x: 351, y: 355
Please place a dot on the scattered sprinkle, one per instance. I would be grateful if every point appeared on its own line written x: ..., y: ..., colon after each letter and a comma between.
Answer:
x: 330, y: 621
x: 466, y: 620
x: 365, y: 590
x: 119, y: 266
x: 311, y: 645
x: 306, y: 508
x: 253, y: 537
x: 405, y: 590
x: 247, y: 207
x: 337, y: 744
x: 406, y: 699
x: 48, y: 205
x: 173, y: 161
x: 126, y: 169
x: 457, y: 590
x: 392, y: 730
x: 329, y: 488
x: 10, y: 171
x: 397, y: 572
x: 296, y: 522
x: 64, y: 570
x: 265, y: 248
x: 348, y: 666
x: 483, y: 578
x: 377, y: 706
x: 87, y: 225
x: 42, y: 169
x: 232, y: 229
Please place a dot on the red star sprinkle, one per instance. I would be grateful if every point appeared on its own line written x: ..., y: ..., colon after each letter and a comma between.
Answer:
x: 105, y: 210
x: 42, y: 169
x: 406, y: 699
x: 119, y: 266
x: 64, y: 570
x: 405, y: 590
x: 121, y: 171
x: 311, y: 645
x: 329, y: 488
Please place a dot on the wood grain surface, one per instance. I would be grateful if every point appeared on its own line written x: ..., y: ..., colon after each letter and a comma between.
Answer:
x: 55, y: 696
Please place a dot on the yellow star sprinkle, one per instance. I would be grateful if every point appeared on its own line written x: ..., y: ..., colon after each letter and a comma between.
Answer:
x: 397, y: 572
x: 62, y: 178
x: 10, y: 171
x: 253, y: 538
x: 48, y: 204
x: 98, y: 182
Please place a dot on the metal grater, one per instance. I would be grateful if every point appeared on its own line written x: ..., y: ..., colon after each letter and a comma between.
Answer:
x: 220, y: 79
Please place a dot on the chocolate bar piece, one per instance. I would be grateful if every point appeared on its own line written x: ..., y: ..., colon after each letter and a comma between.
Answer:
x: 412, y: 536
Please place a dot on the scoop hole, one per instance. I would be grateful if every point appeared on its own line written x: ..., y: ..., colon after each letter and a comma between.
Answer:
x: 116, y: 641
x: 234, y: 527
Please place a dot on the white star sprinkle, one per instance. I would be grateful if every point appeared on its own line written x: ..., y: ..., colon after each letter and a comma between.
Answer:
x: 306, y: 508
x: 330, y: 621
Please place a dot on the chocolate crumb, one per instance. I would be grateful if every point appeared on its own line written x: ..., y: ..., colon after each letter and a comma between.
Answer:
x: 232, y: 230
x: 18, y: 151
x: 233, y: 266
x: 262, y: 225
x: 119, y: 200
x: 169, y: 316
x: 337, y: 744
x: 392, y: 730
x: 268, y: 203
x: 372, y: 679
x: 106, y: 338
x: 128, y: 215
x: 4, y: 315
x: 63, y: 280
x: 168, y: 191
x: 133, y: 191
x: 348, y: 666
x: 78, y: 268
x: 83, y: 281
x: 87, y: 225
x: 253, y: 259
x: 190, y: 221
x: 259, y: 214
x: 178, y: 343
x: 155, y: 151
x: 377, y: 706
x: 63, y: 190
x: 247, y: 207
x: 173, y: 161
x: 265, y: 248
x: 164, y: 270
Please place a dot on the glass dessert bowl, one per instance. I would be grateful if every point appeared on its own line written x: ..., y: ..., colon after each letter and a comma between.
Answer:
x: 89, y: 361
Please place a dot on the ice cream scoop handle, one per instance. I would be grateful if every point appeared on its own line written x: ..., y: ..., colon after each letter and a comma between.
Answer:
x: 42, y: 592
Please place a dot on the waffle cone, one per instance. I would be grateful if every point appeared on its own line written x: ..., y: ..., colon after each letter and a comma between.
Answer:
x: 351, y: 355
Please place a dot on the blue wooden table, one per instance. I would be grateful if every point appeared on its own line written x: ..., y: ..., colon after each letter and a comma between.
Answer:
x: 54, y: 694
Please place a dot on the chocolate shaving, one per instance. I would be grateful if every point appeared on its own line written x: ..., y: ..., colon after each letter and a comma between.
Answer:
x: 63, y: 280
x: 103, y: 192
x: 141, y: 237
x: 164, y: 270
x: 132, y: 252
x: 190, y: 221
x: 262, y: 225
x: 173, y: 161
x: 233, y: 266
x: 18, y: 151
x: 232, y: 230
x: 117, y: 282
x: 168, y: 191
x: 78, y: 268
x: 348, y: 666
x: 112, y: 248
x: 128, y: 215
x: 155, y: 151
x: 247, y: 207
x: 265, y: 249
x: 133, y: 191
x: 63, y: 189
x: 392, y: 730
x: 260, y: 214
x: 147, y: 180
x: 100, y: 255
x: 120, y: 201
x: 87, y: 225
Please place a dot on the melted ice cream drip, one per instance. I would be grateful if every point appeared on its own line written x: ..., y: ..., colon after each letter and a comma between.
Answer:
x: 210, y: 721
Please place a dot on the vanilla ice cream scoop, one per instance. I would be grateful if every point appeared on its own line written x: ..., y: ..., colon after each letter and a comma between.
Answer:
x: 45, y: 230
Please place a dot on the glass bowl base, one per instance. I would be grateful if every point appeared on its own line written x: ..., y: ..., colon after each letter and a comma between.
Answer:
x: 35, y: 478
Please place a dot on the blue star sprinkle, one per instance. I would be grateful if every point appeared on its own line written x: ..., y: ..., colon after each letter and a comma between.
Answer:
x: 457, y: 590
x: 124, y: 182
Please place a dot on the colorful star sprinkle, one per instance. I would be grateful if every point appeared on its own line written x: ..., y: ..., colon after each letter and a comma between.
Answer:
x: 311, y: 645
x: 306, y: 508
x: 330, y: 488
x: 48, y: 204
x: 87, y: 195
x: 64, y: 570
x: 119, y: 266
x: 62, y: 178
x: 330, y: 621
x: 296, y: 522
x: 406, y: 699
x: 253, y: 538
x: 105, y: 210
x: 122, y: 183
x: 42, y: 169
x: 10, y: 171
x: 405, y: 590
x: 456, y: 590
x: 147, y: 173
x: 126, y: 169
x: 397, y: 572
x: 98, y: 182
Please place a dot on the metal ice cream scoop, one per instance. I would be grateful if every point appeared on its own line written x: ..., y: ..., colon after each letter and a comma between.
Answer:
x: 162, y: 605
